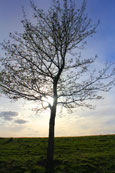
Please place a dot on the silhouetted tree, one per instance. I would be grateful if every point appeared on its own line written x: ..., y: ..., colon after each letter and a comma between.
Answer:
x: 41, y: 63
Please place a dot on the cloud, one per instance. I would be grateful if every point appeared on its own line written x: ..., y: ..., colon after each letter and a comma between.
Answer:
x: 110, y: 122
x: 20, y: 121
x: 8, y: 115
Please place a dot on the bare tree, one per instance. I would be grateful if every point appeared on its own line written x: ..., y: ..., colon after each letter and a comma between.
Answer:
x: 41, y: 63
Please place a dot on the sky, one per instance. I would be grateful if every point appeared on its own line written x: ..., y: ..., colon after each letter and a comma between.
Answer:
x: 17, y: 119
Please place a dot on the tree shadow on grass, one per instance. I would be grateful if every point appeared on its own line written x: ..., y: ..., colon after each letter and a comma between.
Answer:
x: 71, y: 167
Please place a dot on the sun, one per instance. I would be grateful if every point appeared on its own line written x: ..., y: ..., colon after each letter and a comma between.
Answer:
x: 48, y: 101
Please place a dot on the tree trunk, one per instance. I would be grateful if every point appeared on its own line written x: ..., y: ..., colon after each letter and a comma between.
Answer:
x: 50, y: 151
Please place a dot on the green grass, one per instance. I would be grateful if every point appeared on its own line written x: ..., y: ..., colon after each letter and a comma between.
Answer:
x: 94, y: 154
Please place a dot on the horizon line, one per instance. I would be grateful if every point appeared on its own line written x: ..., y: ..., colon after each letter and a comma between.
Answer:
x: 62, y: 136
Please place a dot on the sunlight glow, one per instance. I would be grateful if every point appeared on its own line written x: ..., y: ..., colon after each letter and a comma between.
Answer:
x: 47, y: 101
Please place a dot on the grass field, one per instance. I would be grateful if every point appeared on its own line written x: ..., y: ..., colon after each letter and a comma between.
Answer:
x: 94, y: 154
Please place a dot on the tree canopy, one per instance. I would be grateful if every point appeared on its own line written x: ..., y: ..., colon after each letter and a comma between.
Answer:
x: 42, y: 55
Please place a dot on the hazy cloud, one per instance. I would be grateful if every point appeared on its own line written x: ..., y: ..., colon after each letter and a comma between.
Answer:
x: 20, y: 121
x: 8, y: 115
x: 110, y: 122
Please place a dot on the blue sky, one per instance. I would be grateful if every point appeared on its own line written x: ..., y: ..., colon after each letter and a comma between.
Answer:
x: 18, y: 119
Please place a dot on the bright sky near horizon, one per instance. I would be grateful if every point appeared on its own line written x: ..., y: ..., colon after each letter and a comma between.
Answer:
x: 17, y: 118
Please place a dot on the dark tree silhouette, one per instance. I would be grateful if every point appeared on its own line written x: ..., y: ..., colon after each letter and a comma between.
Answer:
x: 41, y: 63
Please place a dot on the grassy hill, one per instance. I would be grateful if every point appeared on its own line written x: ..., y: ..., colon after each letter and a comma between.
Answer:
x: 93, y: 154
